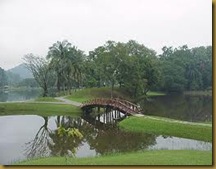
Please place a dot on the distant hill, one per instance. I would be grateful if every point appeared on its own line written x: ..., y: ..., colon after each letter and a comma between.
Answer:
x: 22, y: 71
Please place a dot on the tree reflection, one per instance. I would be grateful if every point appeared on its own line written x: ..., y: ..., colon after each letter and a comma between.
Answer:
x: 38, y: 146
x: 65, y: 139
x: 65, y: 144
x: 180, y: 107
x: 111, y: 139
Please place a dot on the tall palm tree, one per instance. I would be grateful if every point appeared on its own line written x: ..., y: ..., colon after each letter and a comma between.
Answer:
x: 66, y: 60
x: 58, y: 53
x: 74, y: 67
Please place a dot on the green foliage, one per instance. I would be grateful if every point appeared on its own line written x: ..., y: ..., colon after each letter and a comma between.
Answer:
x: 91, y: 93
x: 70, y: 132
x: 13, y: 78
x: 3, y: 78
x: 43, y: 109
x: 67, y: 62
x: 131, y: 66
x: 28, y: 82
x: 186, y: 69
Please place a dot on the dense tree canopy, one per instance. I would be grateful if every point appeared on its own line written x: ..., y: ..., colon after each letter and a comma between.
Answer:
x: 66, y: 61
x: 186, y: 69
x: 130, y: 66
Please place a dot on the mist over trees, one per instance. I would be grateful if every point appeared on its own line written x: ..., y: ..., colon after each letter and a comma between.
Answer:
x: 3, y: 78
x: 130, y: 66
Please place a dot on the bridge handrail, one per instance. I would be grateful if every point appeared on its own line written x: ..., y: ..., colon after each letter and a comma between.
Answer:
x: 123, y: 104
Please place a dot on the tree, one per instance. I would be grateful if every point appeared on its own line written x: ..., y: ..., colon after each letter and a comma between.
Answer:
x: 40, y: 70
x: 74, y: 67
x: 13, y: 79
x: 142, y: 69
x: 66, y: 61
x: 3, y: 78
x: 186, y: 69
x: 129, y: 65
x: 57, y: 53
x: 28, y: 82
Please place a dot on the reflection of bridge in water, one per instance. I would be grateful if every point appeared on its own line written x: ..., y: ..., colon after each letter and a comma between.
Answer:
x: 103, y: 120
x: 116, y: 104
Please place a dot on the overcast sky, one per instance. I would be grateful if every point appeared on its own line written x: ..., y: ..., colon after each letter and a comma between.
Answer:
x: 32, y: 26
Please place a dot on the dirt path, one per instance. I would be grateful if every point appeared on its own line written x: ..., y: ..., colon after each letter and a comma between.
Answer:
x: 74, y: 103
x: 178, y: 121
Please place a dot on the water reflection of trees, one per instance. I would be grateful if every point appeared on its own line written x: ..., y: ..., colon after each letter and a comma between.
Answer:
x: 38, y: 146
x: 189, y: 108
x: 109, y: 138
x: 119, y: 141
x: 64, y: 145
x: 48, y: 142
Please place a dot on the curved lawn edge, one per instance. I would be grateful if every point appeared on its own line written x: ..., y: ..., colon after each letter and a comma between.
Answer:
x: 154, y: 157
x: 42, y: 109
x: 167, y: 127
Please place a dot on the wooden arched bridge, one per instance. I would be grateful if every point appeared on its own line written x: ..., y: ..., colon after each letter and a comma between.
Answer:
x: 121, y: 105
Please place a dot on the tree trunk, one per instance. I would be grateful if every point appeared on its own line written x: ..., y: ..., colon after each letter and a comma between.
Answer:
x: 45, y: 90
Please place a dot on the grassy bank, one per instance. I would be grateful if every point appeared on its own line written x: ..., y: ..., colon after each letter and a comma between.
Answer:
x: 47, y: 99
x: 104, y: 92
x: 43, y: 109
x: 152, y: 93
x: 167, y: 127
x: 161, y: 157
x: 91, y: 93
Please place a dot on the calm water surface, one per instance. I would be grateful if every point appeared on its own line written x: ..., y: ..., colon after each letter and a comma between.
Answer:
x: 180, y: 107
x: 19, y: 95
x: 32, y: 136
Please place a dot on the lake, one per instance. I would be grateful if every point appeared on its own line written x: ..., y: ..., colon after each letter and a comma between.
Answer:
x: 180, y: 107
x: 30, y: 136
x: 28, y: 94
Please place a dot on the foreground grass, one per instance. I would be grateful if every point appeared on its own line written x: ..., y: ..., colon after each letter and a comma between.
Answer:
x: 43, y: 109
x: 167, y: 127
x: 160, y: 157
x: 47, y: 99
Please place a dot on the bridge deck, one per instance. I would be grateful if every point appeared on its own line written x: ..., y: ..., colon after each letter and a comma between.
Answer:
x: 123, y: 105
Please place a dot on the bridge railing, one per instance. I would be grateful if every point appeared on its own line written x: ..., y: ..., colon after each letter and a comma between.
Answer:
x: 119, y: 103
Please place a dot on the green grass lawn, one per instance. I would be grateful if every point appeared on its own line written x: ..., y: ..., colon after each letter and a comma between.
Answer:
x: 43, y: 109
x: 91, y: 93
x: 152, y: 93
x: 167, y: 127
x: 159, y: 157
x: 47, y: 99
x: 104, y: 92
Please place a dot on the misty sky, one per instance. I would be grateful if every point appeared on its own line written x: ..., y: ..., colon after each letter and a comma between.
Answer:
x: 32, y: 26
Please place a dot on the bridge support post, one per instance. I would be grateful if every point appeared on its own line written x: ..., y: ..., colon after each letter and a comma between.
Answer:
x: 98, y: 111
